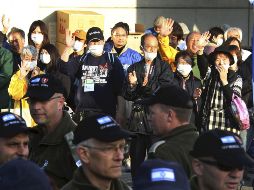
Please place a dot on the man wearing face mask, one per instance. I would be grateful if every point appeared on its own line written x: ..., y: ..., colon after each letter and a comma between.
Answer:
x: 79, y: 44
x: 142, y: 80
x: 99, y: 77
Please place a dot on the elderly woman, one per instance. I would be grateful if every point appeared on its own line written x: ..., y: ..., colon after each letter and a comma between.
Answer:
x: 19, y: 82
x: 220, y: 83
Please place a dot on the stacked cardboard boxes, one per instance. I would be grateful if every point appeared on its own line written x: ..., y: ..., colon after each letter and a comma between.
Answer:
x: 74, y: 20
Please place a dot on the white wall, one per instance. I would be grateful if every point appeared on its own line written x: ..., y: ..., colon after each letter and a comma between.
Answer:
x: 203, y: 13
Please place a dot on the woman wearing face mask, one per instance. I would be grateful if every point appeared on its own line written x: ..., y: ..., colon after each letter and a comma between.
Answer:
x: 215, y: 40
x: 49, y: 63
x: 19, y: 82
x: 38, y: 34
x: 219, y: 85
x: 185, y: 79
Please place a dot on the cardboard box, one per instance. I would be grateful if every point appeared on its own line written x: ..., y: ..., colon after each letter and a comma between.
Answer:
x: 134, y: 41
x: 139, y: 28
x: 74, y: 20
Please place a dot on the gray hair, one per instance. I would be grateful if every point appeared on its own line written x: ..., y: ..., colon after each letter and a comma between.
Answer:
x: 29, y: 50
x: 234, y: 29
x: 159, y: 21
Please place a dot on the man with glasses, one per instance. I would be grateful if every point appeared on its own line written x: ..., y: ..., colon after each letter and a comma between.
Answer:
x: 218, y: 161
x: 48, y: 148
x: 143, y: 78
x: 100, y: 146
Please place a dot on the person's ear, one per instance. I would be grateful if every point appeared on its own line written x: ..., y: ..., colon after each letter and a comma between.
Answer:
x: 197, y: 167
x: 83, y: 154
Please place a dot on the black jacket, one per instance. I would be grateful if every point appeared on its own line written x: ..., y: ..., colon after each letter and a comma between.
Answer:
x: 160, y: 74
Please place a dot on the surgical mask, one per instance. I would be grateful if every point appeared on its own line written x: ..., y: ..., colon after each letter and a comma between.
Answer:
x: 235, y: 59
x: 184, y: 69
x: 32, y: 64
x: 78, y: 46
x: 45, y: 58
x: 150, y: 56
x: 96, y: 50
x: 219, y: 42
x: 37, y: 38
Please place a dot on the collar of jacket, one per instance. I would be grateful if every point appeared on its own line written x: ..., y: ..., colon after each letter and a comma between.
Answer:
x: 124, y: 50
x: 82, y: 182
x: 179, y: 130
x: 57, y: 136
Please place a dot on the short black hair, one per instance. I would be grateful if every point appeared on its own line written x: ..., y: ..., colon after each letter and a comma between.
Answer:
x: 215, y: 31
x: 177, y: 31
x: 229, y: 40
x: 123, y: 25
x: 184, y: 54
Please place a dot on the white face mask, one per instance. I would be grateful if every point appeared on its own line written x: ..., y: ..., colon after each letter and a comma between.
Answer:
x: 45, y: 58
x: 96, y: 50
x: 37, y: 38
x: 150, y: 56
x: 235, y: 59
x: 219, y: 42
x: 32, y: 64
x: 184, y: 69
x: 78, y: 46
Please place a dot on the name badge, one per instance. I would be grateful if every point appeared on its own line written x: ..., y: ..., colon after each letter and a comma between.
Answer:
x: 89, y: 85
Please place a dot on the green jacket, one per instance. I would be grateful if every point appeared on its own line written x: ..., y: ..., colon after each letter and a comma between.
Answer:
x: 194, y: 183
x: 80, y: 182
x: 176, y: 146
x: 52, y: 153
x: 6, y: 69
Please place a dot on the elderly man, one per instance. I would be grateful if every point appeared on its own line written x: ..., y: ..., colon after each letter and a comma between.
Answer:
x: 49, y: 148
x: 144, y: 77
x: 100, y: 147
x: 14, y: 137
x: 170, y: 110
x: 218, y: 161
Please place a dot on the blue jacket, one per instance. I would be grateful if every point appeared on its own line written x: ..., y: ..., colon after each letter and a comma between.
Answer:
x: 127, y: 57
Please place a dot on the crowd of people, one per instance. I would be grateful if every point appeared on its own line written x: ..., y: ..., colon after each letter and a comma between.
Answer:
x: 166, y: 113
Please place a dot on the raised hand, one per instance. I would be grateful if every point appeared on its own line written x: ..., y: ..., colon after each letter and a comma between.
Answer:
x: 132, y: 78
x: 167, y: 27
x: 69, y: 38
x: 24, y: 69
x: 203, y: 40
x: 5, y: 24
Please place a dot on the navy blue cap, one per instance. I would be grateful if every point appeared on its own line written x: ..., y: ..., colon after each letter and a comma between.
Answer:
x: 170, y: 95
x: 43, y: 87
x: 101, y: 127
x: 162, y: 175
x: 20, y: 174
x: 224, y: 146
x: 12, y: 124
x: 94, y: 33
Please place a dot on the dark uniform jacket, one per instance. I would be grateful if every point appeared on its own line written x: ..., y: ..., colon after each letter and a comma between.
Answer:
x: 176, y: 146
x: 80, y: 182
x: 52, y: 153
x: 194, y: 183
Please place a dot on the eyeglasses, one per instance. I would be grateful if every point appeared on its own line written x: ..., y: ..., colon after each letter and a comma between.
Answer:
x: 220, y: 166
x: 33, y: 100
x: 124, y: 148
x: 119, y: 36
